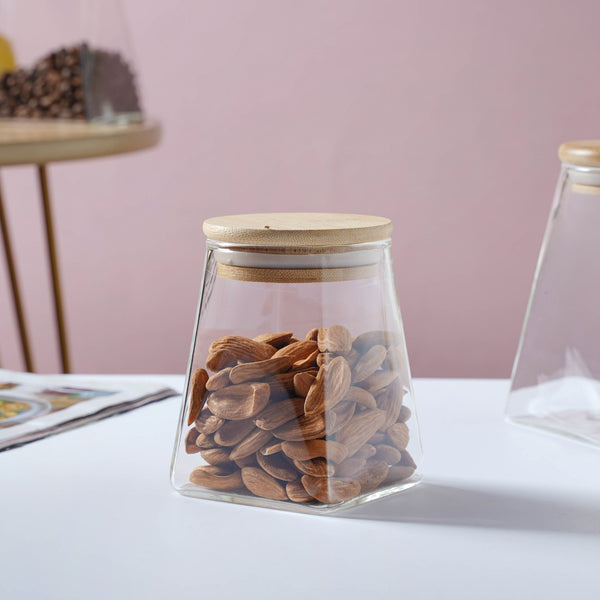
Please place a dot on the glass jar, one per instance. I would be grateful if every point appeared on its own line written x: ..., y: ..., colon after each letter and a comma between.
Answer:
x: 556, y: 376
x: 298, y: 393
x: 67, y: 59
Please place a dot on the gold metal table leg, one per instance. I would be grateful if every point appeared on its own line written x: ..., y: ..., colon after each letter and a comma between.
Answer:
x: 60, y: 322
x: 12, y: 273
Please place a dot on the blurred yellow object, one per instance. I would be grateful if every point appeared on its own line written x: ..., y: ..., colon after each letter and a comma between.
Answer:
x: 7, y: 59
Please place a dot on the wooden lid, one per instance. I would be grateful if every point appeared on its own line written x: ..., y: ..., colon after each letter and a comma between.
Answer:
x: 581, y: 153
x: 297, y: 229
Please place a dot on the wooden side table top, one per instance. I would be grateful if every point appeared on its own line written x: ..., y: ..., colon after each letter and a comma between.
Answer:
x: 41, y: 142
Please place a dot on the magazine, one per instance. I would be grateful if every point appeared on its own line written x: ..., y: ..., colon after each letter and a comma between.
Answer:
x: 34, y: 406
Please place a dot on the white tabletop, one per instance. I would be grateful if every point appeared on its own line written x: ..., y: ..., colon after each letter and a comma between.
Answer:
x: 503, y: 512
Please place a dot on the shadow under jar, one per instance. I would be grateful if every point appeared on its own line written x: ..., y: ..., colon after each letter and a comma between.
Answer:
x: 298, y: 393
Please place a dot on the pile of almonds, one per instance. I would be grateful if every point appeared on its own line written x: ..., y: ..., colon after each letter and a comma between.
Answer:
x: 318, y: 420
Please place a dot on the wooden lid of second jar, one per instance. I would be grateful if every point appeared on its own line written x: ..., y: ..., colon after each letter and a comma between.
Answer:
x: 297, y: 229
x: 581, y: 153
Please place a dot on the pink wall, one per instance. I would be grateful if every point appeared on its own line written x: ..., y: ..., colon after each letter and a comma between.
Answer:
x: 444, y: 116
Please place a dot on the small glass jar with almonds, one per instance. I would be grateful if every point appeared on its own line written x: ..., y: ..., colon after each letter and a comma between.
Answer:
x: 298, y: 393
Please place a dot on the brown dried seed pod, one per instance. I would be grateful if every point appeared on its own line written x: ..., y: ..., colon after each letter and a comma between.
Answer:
x: 218, y: 380
x: 296, y: 492
x: 282, y: 385
x: 388, y: 454
x: 190, y: 442
x: 393, y: 360
x: 328, y: 449
x: 239, y: 402
x: 351, y: 466
x: 258, y: 370
x: 312, y: 334
x: 297, y: 350
x: 197, y: 393
x: 305, y: 427
x: 399, y: 472
x: 338, y: 416
x: 376, y: 338
x: 208, y: 423
x: 390, y: 400
x: 334, y: 339
x: 330, y: 490
x: 368, y: 363
x: 361, y: 397
x: 277, y: 414
x: 360, y: 429
x: 367, y: 451
x: 325, y: 358
x: 373, y: 475
x: 306, y: 363
x: 377, y: 438
x: 352, y: 357
x: 262, y: 484
x: 222, y: 481
x: 399, y: 435
x: 302, y: 383
x: 251, y: 444
x: 407, y: 460
x: 205, y: 441
x: 378, y: 380
x: 277, y: 466
x: 278, y: 340
x: 329, y: 388
x: 216, y: 456
x: 271, y: 448
x: 317, y: 467
x: 219, y: 360
x: 233, y: 432
x: 243, y: 348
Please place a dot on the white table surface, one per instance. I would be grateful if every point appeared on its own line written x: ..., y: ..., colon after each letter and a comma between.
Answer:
x: 503, y: 512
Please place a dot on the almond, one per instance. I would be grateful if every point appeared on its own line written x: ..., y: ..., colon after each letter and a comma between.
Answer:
x: 399, y: 472
x: 208, y: 423
x: 218, y: 380
x: 274, y: 339
x: 373, y: 474
x: 306, y: 363
x: 367, y: 451
x: 197, y: 391
x: 368, y: 363
x: 317, y: 467
x: 334, y: 339
x: 282, y: 385
x: 404, y: 414
x: 271, y: 448
x: 242, y: 348
x: 277, y: 414
x: 302, y: 383
x: 330, y: 490
x: 399, y: 435
x: 296, y: 492
x: 220, y: 480
x: 337, y: 417
x: 190, y: 442
x: 277, y: 466
x: 259, y: 369
x: 332, y: 451
x: 219, y: 360
x: 352, y: 357
x: 377, y: 438
x: 376, y: 338
x: 262, y: 484
x: 330, y: 386
x: 378, y: 380
x: 239, y: 402
x: 233, y: 432
x: 407, y: 460
x: 351, y: 466
x: 305, y: 427
x: 312, y: 334
x: 388, y: 454
x: 360, y: 429
x: 251, y: 444
x: 247, y: 461
x: 390, y: 400
x: 361, y: 397
x: 393, y: 360
x: 297, y: 350
x: 215, y: 456
x: 205, y: 441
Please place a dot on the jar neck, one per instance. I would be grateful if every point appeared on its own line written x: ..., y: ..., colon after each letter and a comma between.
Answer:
x: 583, y: 179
